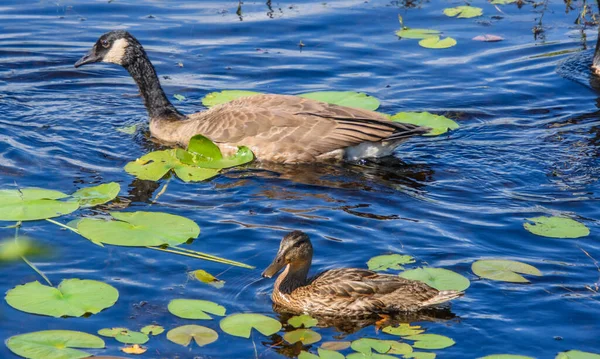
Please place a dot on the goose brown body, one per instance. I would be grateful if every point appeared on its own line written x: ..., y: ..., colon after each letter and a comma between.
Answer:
x: 348, y: 292
x: 277, y: 128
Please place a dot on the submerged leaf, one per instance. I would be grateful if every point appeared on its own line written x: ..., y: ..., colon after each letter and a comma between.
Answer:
x: 577, y: 354
x: 54, y: 344
x: 437, y: 43
x: 195, y: 308
x: 345, y: 98
x: 183, y: 335
x: 403, y: 329
x: 242, y: 324
x: 217, y: 98
x: 417, y: 33
x: 30, y: 204
x: 128, y: 130
x: 305, y: 336
x: 208, y: 278
x: 464, y: 11
x: 72, y: 297
x: 152, y: 329
x: 93, y: 196
x: 389, y: 261
x: 179, y: 97
x: 302, y: 320
x: 556, y: 227
x: 504, y: 270
x: 438, y: 278
x: 431, y: 341
x: 438, y: 124
x: 139, y: 229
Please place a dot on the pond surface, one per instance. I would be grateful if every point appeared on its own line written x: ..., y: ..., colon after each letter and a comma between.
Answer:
x: 528, y: 145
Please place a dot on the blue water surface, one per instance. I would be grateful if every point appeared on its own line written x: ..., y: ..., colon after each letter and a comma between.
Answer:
x: 528, y: 145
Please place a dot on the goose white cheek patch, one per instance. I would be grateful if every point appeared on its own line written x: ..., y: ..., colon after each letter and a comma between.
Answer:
x: 116, y: 52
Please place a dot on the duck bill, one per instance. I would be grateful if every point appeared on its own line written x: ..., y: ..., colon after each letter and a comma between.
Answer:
x: 274, y: 268
x: 88, y: 58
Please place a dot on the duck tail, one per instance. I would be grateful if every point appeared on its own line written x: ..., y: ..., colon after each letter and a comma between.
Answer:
x: 442, y: 297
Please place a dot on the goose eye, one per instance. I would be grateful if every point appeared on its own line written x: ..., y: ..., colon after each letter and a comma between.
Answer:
x: 105, y: 43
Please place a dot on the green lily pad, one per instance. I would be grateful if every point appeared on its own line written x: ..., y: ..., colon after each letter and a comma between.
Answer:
x: 417, y: 33
x: 368, y: 345
x: 506, y: 356
x: 31, y: 204
x: 306, y: 355
x: 217, y: 98
x: 464, y: 11
x: 431, y: 341
x: 242, y: 324
x: 438, y: 124
x: 155, y: 165
x: 403, y: 330
x: 329, y: 354
x: 205, y: 154
x: 504, y: 270
x: 124, y: 335
x: 389, y: 261
x: 399, y: 348
x: 183, y: 335
x: 369, y: 356
x: 139, y: 229
x: 437, y: 42
x: 438, y: 278
x: 152, y: 329
x: 208, y: 278
x: 345, y: 98
x: 556, y: 227
x: 195, y: 308
x: 54, y: 344
x: 420, y: 355
x: 576, y: 354
x: 179, y: 97
x: 336, y: 345
x: 93, y: 196
x: 72, y: 297
x: 111, y: 332
x: 305, y: 336
x: 302, y: 320
x: 502, y: 2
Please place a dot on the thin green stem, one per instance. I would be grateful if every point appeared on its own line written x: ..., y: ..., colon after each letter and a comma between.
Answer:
x: 200, y: 255
x: 220, y: 259
x: 31, y: 265
x: 63, y: 225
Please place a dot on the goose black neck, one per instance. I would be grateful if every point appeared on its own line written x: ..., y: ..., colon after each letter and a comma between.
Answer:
x: 144, y: 74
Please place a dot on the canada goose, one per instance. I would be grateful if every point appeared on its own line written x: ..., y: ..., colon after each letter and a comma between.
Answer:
x: 349, y: 292
x: 277, y: 128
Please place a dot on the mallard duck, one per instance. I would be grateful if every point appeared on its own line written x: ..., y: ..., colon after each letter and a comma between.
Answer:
x: 348, y: 292
x: 277, y: 128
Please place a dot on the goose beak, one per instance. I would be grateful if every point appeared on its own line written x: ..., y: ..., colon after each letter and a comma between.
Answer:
x: 89, y: 58
x: 274, y: 268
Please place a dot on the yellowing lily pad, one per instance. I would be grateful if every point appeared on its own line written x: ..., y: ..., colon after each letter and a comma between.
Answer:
x: 139, y: 229
x: 305, y: 336
x: 54, y: 344
x: 438, y: 124
x: 241, y: 325
x: 577, y: 354
x: 504, y: 270
x: 437, y: 42
x: 417, y: 33
x: 336, y: 345
x: 389, y: 261
x: 11, y: 250
x: 302, y: 320
x: 183, y: 335
x: 132, y: 349
x: 93, y: 196
x: 345, y: 98
x: 152, y: 329
x: 438, y: 278
x: 430, y: 341
x: 195, y: 308
x: 556, y: 227
x: 464, y: 11
x: 217, y: 98
x: 205, y: 277
x: 72, y: 297
x: 403, y: 330
x: 31, y: 204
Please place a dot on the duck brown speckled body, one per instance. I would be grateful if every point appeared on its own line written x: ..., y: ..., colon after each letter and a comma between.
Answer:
x: 350, y: 292
x: 277, y: 128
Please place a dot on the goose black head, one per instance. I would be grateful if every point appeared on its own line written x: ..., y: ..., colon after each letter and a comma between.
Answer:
x: 117, y: 47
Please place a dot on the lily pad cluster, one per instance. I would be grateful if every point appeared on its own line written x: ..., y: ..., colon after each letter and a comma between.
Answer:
x: 429, y: 38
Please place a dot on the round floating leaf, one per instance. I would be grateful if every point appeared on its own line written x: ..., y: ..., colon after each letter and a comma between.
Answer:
x: 399, y: 348
x: 306, y: 355
x: 438, y: 278
x: 302, y: 320
x: 155, y: 165
x: 183, y: 335
x: 368, y: 345
x: 329, y: 354
x: 369, y: 356
x: 30, y: 204
x: 54, y: 344
x: 204, y: 148
x: 345, y: 98
x: 179, y: 97
x: 242, y: 324
x: 72, y: 297
x: 506, y: 356
x: 217, y: 98
x: 93, y: 196
x: 195, y: 309
x: 203, y: 153
x: 335, y: 345
x: 437, y: 43
x: 152, y: 329
x: 131, y: 337
x: 556, y: 227
x: 420, y: 355
x: 111, y: 332
x: 464, y: 11
x: 417, y: 33
x: 504, y: 270
x: 139, y: 229
x: 438, y: 124
x: 305, y: 336
x: 403, y: 329
x: 576, y: 354
x: 389, y: 261
x: 133, y: 349
x: 503, y: 2
x: 208, y: 278
x: 430, y: 341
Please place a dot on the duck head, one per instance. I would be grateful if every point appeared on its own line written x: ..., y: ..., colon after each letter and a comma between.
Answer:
x: 117, y: 47
x: 295, y: 250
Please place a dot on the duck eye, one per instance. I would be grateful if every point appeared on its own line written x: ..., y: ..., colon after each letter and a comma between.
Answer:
x: 105, y: 43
